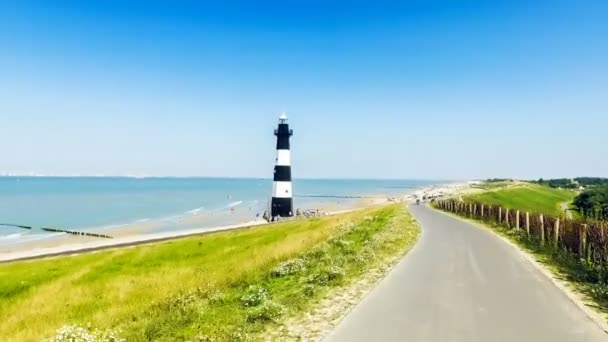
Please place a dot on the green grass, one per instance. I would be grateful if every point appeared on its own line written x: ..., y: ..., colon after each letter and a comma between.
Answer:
x: 529, y: 197
x: 496, y: 185
x: 222, y: 286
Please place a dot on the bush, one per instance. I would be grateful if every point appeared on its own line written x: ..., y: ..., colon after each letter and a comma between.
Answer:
x: 345, y: 246
x: 319, y: 278
x: 288, y: 267
x: 268, y: 311
x: 335, y: 272
x: 600, y: 292
x: 77, y: 333
x: 254, y: 295
x: 309, y: 290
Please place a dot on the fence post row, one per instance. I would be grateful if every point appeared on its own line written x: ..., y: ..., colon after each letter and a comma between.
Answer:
x: 582, y: 240
x: 542, y: 230
x: 499, y: 215
x: 556, y: 231
x: 585, y: 238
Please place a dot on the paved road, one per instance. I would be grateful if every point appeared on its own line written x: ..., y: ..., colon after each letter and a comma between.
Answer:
x: 462, y: 283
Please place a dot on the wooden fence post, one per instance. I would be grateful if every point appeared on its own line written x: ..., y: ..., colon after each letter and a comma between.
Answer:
x: 482, y: 211
x: 517, y: 220
x: 528, y: 223
x: 475, y: 210
x: 556, y: 231
x: 542, y: 230
x: 582, y: 240
x: 499, y: 215
x: 507, y: 217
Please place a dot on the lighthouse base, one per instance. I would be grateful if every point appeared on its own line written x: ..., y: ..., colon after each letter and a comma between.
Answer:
x: 281, y: 207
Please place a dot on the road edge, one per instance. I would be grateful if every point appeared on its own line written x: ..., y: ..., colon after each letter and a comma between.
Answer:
x: 573, y: 295
x: 358, y: 291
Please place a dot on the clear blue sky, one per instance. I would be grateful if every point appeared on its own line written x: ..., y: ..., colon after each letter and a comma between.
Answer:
x: 434, y: 90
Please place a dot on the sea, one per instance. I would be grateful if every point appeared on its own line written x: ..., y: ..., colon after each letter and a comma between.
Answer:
x: 116, y: 205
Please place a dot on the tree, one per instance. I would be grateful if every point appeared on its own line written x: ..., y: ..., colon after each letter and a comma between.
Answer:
x: 593, y: 202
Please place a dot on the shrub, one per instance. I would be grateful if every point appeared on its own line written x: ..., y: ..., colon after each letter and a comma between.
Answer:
x: 334, y: 272
x: 288, y: 267
x: 268, y: 311
x: 254, y: 295
x: 239, y: 335
x: 182, y: 301
x: 309, y: 290
x: 345, y: 246
x: 77, y: 333
x: 319, y: 278
x: 600, y: 292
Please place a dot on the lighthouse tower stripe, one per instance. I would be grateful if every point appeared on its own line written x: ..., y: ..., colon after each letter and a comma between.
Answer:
x: 282, y: 173
x: 282, y: 202
x: 283, y: 157
x: 281, y: 189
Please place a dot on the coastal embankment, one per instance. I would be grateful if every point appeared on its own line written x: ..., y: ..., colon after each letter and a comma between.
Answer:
x: 226, y: 285
x: 136, y: 235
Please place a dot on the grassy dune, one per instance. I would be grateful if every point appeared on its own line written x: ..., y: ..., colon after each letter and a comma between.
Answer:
x: 221, y: 286
x: 527, y: 197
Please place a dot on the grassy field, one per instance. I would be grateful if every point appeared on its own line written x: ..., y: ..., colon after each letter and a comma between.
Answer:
x: 221, y: 286
x: 530, y: 197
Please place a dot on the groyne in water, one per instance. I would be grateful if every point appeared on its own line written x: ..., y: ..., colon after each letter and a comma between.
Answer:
x: 55, y: 230
x: 14, y: 225
x: 73, y: 232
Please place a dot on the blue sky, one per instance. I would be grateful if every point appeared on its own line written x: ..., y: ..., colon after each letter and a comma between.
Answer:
x: 434, y: 90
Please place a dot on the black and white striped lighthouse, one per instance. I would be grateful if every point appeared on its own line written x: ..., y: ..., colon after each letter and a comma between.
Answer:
x: 282, y: 197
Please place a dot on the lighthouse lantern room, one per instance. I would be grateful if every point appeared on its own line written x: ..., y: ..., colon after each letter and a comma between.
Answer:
x: 282, y: 196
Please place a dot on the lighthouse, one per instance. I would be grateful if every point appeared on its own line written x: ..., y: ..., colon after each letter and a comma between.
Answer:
x: 282, y: 196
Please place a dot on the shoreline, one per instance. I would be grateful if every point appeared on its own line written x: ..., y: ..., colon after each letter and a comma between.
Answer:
x: 136, y: 236
x: 94, y: 244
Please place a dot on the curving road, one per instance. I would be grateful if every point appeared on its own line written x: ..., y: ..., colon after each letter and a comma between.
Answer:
x: 462, y: 283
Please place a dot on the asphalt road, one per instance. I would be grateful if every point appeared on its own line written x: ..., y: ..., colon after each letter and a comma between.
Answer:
x: 462, y: 283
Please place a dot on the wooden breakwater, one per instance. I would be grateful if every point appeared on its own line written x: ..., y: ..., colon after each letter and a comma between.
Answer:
x: 14, y: 225
x: 73, y: 232
x: 587, y: 239
x: 55, y: 230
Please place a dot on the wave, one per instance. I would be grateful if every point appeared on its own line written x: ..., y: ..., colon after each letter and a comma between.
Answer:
x: 234, y: 204
x: 11, y: 236
x: 195, y: 211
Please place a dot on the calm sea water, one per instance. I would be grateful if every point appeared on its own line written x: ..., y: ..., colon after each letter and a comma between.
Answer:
x: 103, y: 203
